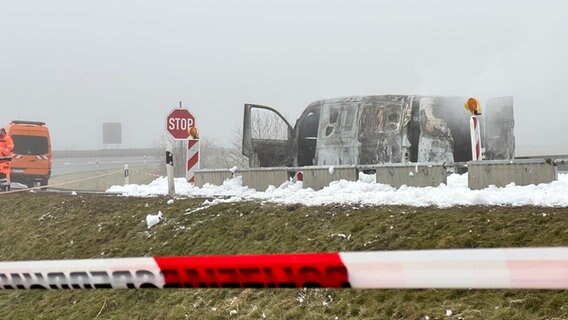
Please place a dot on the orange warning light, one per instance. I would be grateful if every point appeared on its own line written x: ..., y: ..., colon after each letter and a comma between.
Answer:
x: 193, y: 134
x: 472, y: 105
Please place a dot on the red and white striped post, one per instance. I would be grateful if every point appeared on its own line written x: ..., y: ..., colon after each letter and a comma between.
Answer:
x: 474, y: 107
x: 475, y: 138
x: 192, y: 154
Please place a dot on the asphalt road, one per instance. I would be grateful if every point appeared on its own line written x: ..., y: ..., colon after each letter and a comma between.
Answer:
x: 75, y: 165
x: 83, y: 164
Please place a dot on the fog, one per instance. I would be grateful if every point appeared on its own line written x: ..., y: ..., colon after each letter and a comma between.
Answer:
x: 77, y: 64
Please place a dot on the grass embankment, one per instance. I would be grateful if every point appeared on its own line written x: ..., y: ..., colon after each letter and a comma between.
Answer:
x: 49, y: 226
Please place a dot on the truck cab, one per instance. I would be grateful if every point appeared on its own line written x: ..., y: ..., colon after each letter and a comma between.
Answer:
x: 31, y: 159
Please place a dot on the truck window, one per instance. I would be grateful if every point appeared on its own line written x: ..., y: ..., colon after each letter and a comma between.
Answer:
x: 267, y: 125
x: 30, y: 145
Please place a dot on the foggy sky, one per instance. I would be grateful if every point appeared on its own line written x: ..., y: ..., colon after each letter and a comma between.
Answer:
x: 77, y: 64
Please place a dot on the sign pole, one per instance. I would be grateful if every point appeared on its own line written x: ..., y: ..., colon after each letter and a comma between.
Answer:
x: 182, y: 155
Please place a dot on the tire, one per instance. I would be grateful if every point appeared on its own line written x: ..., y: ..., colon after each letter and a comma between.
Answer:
x: 30, y: 184
x: 43, y: 184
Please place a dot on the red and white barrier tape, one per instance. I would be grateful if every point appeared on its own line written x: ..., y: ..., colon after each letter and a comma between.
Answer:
x: 538, y: 268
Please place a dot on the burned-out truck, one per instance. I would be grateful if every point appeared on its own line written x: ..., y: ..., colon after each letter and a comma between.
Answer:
x: 376, y: 130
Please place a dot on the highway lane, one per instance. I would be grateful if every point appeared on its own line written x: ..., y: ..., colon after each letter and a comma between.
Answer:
x: 75, y: 165
x: 84, y: 164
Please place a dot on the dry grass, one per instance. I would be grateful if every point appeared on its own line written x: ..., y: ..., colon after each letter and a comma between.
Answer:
x: 50, y: 226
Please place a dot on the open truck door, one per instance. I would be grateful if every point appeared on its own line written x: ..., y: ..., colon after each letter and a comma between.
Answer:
x: 268, y: 139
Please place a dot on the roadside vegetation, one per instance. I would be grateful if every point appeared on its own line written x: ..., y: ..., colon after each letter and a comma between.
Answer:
x: 37, y: 226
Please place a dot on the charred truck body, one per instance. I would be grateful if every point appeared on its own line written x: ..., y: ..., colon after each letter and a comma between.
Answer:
x: 376, y: 130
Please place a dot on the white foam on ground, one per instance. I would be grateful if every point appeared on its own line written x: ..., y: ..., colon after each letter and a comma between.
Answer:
x: 367, y: 192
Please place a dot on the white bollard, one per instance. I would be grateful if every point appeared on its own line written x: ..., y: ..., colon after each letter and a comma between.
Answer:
x: 170, y: 169
x: 126, y: 174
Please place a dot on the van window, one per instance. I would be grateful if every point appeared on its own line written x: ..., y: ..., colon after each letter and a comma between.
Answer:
x: 31, y: 145
x: 333, y: 116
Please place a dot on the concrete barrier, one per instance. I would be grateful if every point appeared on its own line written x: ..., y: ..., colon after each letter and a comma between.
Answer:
x: 561, y: 164
x: 410, y: 174
x: 500, y: 173
x: 261, y: 178
x: 481, y: 174
x: 318, y: 177
x: 212, y: 176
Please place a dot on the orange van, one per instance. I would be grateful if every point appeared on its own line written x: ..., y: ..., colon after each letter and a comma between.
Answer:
x: 31, y: 160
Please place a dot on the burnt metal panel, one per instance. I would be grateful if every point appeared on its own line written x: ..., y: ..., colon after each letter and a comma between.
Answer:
x: 498, y: 137
x: 247, y: 135
x: 337, y: 132
x: 382, y: 129
x: 363, y: 130
x: 436, y: 143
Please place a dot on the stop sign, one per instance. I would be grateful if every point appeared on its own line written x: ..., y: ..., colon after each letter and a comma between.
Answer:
x: 178, y: 123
